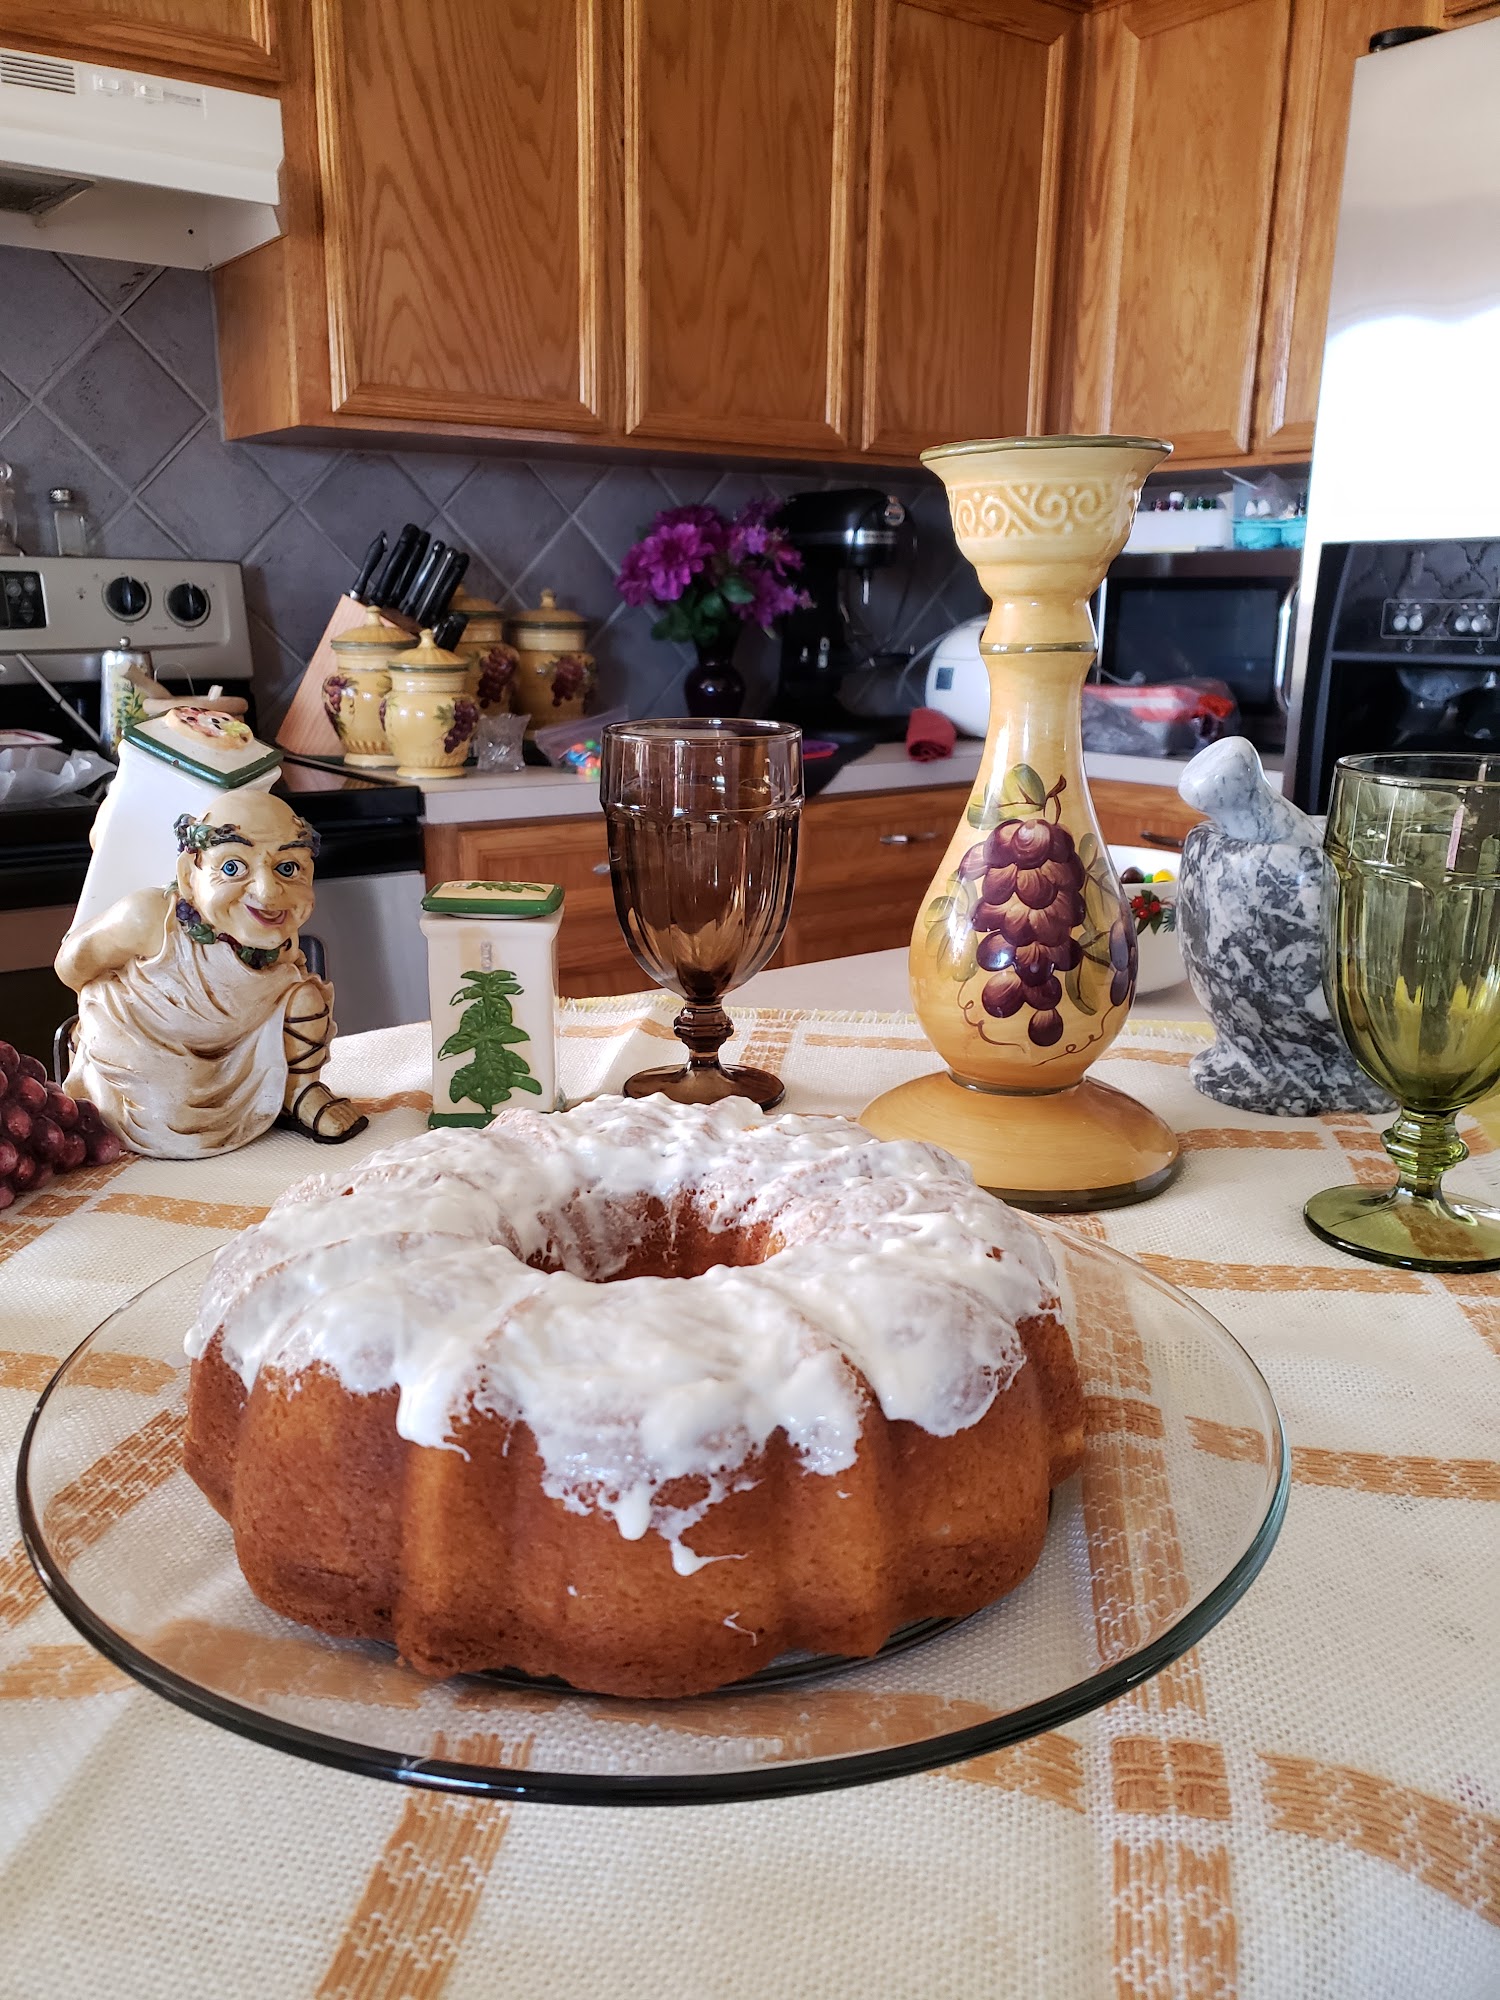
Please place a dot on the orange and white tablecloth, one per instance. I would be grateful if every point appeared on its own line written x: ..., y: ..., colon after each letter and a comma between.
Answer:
x: 1307, y: 1806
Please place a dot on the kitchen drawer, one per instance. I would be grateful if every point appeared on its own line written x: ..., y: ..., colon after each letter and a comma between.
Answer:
x: 1129, y: 814
x: 863, y: 868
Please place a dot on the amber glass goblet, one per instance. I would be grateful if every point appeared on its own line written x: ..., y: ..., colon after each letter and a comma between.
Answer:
x: 703, y: 820
x: 1412, y: 970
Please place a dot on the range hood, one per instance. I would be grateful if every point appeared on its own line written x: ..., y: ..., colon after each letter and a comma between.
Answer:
x: 114, y: 163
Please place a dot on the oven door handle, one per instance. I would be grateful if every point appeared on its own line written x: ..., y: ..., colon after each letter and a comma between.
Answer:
x: 1282, y: 664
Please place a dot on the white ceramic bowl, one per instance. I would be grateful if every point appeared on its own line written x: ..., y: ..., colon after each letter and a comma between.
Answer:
x: 1156, y: 937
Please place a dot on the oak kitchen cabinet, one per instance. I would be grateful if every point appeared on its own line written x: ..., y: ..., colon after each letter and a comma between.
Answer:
x: 1171, y: 220
x: 1198, y: 247
x: 743, y: 226
x: 969, y: 111
x: 742, y: 129
x: 230, y: 42
x: 445, y: 261
x: 863, y: 866
x: 824, y: 229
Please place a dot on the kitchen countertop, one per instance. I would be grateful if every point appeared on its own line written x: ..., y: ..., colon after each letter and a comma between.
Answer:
x: 550, y: 794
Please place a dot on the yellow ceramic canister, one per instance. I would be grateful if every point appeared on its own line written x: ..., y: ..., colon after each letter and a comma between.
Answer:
x: 492, y: 663
x: 352, y: 695
x: 429, y: 717
x: 556, y: 676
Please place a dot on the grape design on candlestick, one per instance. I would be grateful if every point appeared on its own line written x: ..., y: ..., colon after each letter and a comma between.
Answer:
x: 1032, y: 919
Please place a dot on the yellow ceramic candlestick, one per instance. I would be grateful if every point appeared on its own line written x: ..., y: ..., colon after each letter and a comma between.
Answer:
x: 1023, y: 954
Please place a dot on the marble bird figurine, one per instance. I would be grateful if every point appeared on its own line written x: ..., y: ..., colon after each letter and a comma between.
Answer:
x: 1249, y: 916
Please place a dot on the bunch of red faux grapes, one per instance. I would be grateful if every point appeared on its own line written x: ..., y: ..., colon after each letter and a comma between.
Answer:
x: 43, y: 1131
x: 1030, y: 904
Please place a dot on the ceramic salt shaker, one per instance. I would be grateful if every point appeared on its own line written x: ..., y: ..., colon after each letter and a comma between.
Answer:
x: 1250, y: 921
x: 492, y: 983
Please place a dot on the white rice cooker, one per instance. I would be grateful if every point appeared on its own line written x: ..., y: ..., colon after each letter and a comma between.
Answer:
x: 958, y: 683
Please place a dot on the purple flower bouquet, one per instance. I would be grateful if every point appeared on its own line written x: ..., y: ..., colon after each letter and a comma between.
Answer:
x: 704, y: 572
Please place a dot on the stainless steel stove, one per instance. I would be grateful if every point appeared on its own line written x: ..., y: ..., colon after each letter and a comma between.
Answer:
x: 190, y: 616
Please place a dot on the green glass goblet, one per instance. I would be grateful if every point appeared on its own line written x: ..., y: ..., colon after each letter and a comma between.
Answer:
x: 1412, y: 969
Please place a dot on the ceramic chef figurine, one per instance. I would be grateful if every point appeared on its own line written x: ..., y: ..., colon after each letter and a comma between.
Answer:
x: 199, y: 1023
x: 1249, y: 916
x: 492, y: 979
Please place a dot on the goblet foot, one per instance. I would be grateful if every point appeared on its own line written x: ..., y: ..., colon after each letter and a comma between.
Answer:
x: 697, y: 1083
x: 1415, y: 1231
x: 1089, y: 1146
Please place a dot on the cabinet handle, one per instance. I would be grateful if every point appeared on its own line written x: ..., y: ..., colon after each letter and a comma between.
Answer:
x: 904, y: 839
x: 1168, y: 840
x: 601, y: 867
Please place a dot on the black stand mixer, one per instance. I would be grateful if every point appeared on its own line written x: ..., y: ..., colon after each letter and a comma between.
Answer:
x: 841, y: 535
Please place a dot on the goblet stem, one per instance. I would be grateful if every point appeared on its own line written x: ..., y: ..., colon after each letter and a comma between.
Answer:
x: 703, y: 1028
x: 1424, y: 1145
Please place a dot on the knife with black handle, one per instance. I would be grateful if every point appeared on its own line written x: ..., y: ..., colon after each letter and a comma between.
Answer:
x: 401, y: 584
x: 433, y: 606
x: 448, y: 634
x: 359, y: 590
x: 421, y: 580
x: 381, y: 590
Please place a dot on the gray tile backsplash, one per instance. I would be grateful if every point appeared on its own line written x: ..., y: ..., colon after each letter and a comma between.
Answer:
x: 108, y: 384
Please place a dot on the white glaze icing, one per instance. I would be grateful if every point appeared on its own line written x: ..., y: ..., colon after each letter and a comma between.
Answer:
x: 410, y: 1270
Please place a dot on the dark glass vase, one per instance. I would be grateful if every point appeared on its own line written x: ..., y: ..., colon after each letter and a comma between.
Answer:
x: 714, y: 686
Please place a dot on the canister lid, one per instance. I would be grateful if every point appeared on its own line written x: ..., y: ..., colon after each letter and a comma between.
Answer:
x: 493, y: 899
x: 473, y: 607
x: 374, y: 635
x: 428, y: 656
x: 550, y: 618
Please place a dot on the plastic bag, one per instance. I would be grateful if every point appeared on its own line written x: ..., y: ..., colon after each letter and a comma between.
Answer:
x: 1161, y: 719
x: 576, y: 746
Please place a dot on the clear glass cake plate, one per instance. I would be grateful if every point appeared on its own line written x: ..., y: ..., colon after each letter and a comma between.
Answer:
x: 1178, y: 1504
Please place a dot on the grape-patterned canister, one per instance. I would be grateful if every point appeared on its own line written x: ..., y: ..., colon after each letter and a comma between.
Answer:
x: 1023, y: 955
x: 492, y: 984
x: 429, y: 716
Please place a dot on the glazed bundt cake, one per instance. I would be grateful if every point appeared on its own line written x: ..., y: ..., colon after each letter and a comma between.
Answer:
x: 638, y: 1395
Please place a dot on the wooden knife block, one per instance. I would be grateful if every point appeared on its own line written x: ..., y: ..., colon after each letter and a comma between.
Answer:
x: 305, y: 729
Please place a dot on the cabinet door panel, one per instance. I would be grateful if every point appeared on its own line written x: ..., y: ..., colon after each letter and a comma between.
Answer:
x: 1175, y: 219
x: 464, y: 232
x: 231, y: 39
x: 739, y: 176
x: 1328, y: 37
x: 964, y: 158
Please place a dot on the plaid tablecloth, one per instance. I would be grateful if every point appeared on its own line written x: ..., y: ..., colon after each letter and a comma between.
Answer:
x: 1307, y: 1805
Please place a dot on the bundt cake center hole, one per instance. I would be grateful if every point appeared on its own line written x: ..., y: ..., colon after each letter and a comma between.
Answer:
x: 661, y: 1245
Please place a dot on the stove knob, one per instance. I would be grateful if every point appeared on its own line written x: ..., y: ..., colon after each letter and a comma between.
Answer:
x: 1461, y: 623
x: 1415, y: 622
x: 187, y: 603
x: 1480, y: 623
x: 1398, y: 623
x: 126, y: 596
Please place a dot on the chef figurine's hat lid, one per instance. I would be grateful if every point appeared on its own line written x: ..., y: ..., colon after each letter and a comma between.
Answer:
x: 221, y: 749
x: 493, y: 899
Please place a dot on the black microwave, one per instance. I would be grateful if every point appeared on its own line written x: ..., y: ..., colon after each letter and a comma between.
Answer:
x: 1217, y: 614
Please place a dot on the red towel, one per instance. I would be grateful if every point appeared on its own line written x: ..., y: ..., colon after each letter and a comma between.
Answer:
x: 929, y: 735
